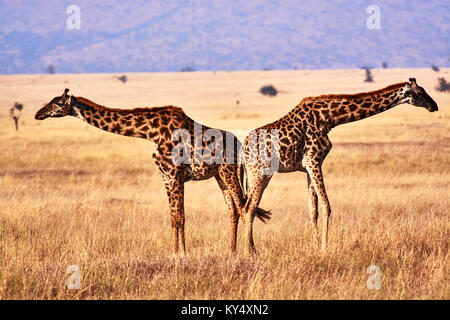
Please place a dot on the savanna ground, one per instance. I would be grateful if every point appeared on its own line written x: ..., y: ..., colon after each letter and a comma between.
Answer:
x: 71, y: 194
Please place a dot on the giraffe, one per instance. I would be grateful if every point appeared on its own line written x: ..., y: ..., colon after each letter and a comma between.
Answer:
x: 182, y: 154
x: 302, y: 144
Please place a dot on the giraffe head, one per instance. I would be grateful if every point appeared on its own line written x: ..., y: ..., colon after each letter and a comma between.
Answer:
x: 57, y: 107
x: 418, y: 97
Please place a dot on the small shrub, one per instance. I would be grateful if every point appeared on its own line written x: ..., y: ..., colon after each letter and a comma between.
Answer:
x: 187, y: 69
x: 369, y: 77
x: 384, y: 65
x: 123, y: 78
x: 435, y: 68
x: 50, y: 69
x: 443, y: 85
x: 269, y: 91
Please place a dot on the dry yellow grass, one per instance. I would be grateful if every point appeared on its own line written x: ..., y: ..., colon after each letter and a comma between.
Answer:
x: 71, y: 194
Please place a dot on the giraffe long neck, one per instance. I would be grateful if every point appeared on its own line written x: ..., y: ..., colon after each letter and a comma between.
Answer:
x: 119, y: 121
x: 335, y: 110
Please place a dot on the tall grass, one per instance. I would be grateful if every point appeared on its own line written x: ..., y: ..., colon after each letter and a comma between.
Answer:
x: 73, y: 195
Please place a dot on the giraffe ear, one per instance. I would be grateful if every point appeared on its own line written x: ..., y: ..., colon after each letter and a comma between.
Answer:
x: 65, y: 93
x: 413, y: 82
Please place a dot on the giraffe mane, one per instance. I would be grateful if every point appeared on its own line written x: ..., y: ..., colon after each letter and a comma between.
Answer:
x: 126, y: 111
x: 355, y: 95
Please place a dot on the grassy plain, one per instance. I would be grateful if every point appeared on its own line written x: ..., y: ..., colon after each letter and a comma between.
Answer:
x: 71, y: 194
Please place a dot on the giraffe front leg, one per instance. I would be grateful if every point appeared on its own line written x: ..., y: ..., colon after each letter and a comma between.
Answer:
x: 175, y: 192
x: 315, y: 173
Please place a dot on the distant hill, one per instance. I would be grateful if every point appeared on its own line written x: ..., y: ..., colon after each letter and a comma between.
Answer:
x: 143, y: 36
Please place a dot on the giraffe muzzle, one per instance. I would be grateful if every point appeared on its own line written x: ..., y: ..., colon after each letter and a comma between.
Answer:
x: 433, y: 107
x: 40, y: 115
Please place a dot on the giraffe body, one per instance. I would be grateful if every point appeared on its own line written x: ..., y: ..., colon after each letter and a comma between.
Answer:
x: 303, y: 144
x: 200, y: 152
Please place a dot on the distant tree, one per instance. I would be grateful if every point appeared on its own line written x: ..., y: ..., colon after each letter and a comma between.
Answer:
x: 384, y: 65
x: 15, y: 112
x: 369, y: 77
x: 237, y: 103
x: 435, y: 68
x: 50, y: 69
x: 187, y: 69
x: 269, y: 91
x: 443, y: 85
x: 123, y: 78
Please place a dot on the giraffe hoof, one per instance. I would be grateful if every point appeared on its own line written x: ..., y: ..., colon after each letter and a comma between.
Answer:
x: 252, y: 252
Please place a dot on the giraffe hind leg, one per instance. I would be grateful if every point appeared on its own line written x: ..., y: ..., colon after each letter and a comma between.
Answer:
x: 254, y: 197
x: 232, y: 210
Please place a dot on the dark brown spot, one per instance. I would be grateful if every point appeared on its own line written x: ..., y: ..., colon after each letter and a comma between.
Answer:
x: 116, y: 128
x: 140, y: 121
x: 155, y: 123
x: 164, y: 132
x: 165, y: 120
x: 352, y: 107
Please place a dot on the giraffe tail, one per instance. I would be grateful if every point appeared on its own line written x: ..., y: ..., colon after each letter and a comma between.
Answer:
x: 261, y: 214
